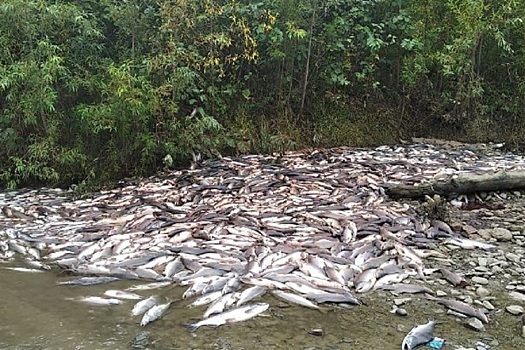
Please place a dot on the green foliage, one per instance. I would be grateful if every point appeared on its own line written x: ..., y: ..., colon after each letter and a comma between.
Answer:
x: 91, y: 91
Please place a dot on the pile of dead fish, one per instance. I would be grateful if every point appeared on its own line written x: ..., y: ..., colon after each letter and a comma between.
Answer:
x: 309, y: 228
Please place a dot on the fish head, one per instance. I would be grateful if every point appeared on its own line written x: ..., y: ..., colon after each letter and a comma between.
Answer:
x: 407, y: 344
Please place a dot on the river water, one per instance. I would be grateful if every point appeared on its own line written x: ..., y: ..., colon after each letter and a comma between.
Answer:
x: 37, y: 314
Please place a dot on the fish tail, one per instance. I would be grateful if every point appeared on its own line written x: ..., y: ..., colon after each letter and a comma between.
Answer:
x: 430, y: 297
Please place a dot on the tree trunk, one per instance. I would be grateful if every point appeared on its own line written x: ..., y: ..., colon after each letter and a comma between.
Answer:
x: 462, y: 184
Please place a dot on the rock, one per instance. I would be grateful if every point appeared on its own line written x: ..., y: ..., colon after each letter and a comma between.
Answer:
x: 480, y: 280
x: 469, y: 230
x: 482, y: 346
x: 517, y: 296
x: 501, y: 234
x: 485, y: 233
x: 513, y: 257
x: 401, y: 312
x: 141, y: 341
x: 482, y: 261
x: 476, y: 324
x: 515, y: 309
x: 316, y: 331
x: 401, y: 301
x: 482, y: 292
x: 496, y: 269
x: 441, y: 293
x: 488, y: 305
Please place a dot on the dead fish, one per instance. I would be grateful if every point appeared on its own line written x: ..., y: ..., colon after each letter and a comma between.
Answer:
x: 365, y: 281
x: 239, y: 314
x: 99, y: 301
x: 419, y: 335
x: 443, y: 226
x: 461, y: 307
x: 407, y: 288
x: 325, y: 297
x: 23, y: 269
x: 221, y: 304
x: 390, y: 279
x: 349, y: 233
x: 149, y: 286
x: 154, y: 313
x: 144, y: 305
x: 119, y: 294
x: 295, y: 299
x: 466, y: 243
x: 206, y: 298
x: 88, y: 281
x: 455, y: 279
x: 251, y: 293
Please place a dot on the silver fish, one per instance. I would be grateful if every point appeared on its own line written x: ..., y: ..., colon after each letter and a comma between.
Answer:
x: 365, y: 281
x: 100, y: 301
x: 144, y: 305
x: 466, y: 243
x: 149, y: 286
x: 324, y: 297
x: 239, y: 314
x: 461, y: 307
x: 220, y: 304
x: 419, y: 335
x: 23, y: 269
x: 206, y: 298
x: 454, y: 278
x: 295, y: 299
x: 88, y: 281
x: 407, y: 288
x: 119, y: 294
x: 251, y: 293
x: 154, y: 313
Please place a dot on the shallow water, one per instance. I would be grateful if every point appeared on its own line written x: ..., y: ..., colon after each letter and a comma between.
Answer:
x: 37, y: 315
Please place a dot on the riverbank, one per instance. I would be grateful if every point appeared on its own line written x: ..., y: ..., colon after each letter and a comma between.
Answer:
x: 257, y: 220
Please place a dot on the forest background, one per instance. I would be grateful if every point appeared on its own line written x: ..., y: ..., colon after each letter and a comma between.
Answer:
x: 96, y: 90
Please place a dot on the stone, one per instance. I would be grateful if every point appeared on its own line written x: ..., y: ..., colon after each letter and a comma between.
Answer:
x: 485, y: 233
x: 482, y: 292
x: 468, y: 299
x: 488, y: 305
x: 441, y: 293
x: 513, y: 257
x: 480, y: 280
x: 496, y: 269
x: 476, y: 324
x: 316, y: 331
x: 515, y: 310
x: 401, y: 301
x: 517, y: 296
x: 401, y: 312
x: 481, y: 269
x: 482, y: 261
x: 501, y: 234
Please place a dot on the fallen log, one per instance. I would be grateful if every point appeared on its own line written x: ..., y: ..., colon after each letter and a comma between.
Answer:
x: 462, y: 184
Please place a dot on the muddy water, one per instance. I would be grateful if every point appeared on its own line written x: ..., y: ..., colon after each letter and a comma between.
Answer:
x: 35, y: 314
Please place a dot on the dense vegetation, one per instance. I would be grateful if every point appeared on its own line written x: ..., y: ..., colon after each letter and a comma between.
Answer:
x: 94, y: 90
